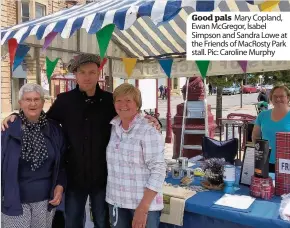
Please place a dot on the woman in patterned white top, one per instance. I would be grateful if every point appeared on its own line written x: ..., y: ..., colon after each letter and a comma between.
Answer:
x: 136, y: 165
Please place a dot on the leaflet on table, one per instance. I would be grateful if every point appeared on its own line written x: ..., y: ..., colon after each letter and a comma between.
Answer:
x: 235, y: 201
x: 248, y: 166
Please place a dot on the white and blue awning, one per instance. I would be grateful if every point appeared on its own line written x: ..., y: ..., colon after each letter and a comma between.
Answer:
x: 144, y: 28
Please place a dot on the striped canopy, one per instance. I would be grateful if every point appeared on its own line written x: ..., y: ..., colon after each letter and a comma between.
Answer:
x: 144, y: 28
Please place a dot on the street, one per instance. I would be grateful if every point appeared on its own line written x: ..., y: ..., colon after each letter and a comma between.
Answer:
x: 231, y: 104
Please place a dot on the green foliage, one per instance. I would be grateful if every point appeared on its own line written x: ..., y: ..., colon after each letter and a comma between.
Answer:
x: 226, y: 80
x: 275, y: 77
x: 219, y: 81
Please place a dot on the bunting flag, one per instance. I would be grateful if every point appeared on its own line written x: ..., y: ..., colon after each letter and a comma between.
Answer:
x: 129, y: 64
x: 104, y: 37
x: 48, y: 39
x: 12, y: 47
x: 269, y: 5
x: 50, y: 66
x: 243, y: 64
x: 202, y: 67
x: 103, y: 63
x: 166, y: 65
x: 21, y: 52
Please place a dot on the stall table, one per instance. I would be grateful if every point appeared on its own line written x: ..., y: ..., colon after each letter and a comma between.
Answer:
x: 200, y: 213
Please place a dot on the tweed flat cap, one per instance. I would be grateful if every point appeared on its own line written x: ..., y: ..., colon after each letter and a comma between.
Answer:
x: 83, y: 59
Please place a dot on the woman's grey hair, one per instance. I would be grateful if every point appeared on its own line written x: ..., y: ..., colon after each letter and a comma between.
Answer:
x: 30, y: 87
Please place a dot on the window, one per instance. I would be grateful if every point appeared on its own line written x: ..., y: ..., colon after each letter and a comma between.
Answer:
x: 40, y: 10
x: 24, y: 11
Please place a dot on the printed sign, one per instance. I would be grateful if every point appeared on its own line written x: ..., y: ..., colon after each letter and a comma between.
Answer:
x: 284, y: 166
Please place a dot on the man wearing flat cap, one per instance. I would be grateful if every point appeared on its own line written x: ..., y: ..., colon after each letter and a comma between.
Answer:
x: 85, y: 114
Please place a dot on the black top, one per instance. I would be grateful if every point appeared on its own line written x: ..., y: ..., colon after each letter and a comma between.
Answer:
x: 86, y: 124
x: 263, y: 97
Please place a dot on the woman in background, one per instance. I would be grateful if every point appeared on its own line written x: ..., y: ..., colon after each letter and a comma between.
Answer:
x: 269, y: 122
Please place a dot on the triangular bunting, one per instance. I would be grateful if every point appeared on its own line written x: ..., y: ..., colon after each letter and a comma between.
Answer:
x: 166, y: 65
x: 21, y: 52
x: 129, y: 64
x: 104, y: 37
x: 269, y: 5
x: 12, y: 47
x: 203, y: 67
x: 103, y: 63
x: 48, y: 39
x: 50, y: 66
x: 243, y: 64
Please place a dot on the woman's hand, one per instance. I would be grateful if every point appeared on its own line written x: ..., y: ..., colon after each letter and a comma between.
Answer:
x: 58, y: 191
x: 10, y: 118
x: 140, y: 217
x: 155, y: 122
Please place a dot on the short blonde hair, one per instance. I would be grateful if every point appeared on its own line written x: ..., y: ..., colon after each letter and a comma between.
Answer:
x: 287, y: 91
x: 128, y: 89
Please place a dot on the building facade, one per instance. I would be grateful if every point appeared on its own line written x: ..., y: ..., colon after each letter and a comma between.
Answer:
x: 33, y: 68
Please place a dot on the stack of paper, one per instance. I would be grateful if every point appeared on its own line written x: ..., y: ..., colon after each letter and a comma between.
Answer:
x: 235, y: 201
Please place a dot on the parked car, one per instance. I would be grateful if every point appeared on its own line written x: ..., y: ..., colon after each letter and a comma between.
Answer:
x: 268, y: 87
x: 231, y: 90
x: 249, y: 89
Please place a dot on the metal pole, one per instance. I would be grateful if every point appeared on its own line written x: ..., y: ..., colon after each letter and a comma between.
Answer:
x: 168, y: 121
x: 206, y: 110
x: 241, y: 95
x: 156, y: 109
x: 183, y: 119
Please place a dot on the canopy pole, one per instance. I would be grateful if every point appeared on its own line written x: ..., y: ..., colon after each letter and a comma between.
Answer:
x: 168, y: 117
x: 205, y: 110
x: 137, y: 83
x: 156, y: 109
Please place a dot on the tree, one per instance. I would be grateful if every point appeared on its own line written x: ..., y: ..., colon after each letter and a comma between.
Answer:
x: 275, y: 77
x: 220, y: 82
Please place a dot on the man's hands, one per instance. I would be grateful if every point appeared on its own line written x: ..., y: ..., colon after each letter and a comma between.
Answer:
x: 57, y: 196
x: 153, y: 121
x: 10, y: 118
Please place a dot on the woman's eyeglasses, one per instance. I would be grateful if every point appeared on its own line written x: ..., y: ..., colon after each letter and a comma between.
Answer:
x: 29, y: 101
x: 279, y: 97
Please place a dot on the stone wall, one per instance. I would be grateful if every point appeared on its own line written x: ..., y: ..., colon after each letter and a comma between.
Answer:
x: 10, y: 15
